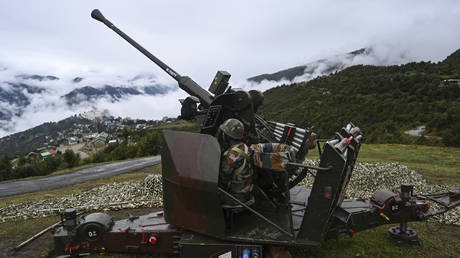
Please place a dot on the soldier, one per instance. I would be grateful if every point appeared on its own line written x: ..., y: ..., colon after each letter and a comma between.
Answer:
x: 236, y: 173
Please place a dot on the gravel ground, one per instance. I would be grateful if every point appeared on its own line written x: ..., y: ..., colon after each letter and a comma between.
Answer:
x: 366, y: 179
x: 113, y: 196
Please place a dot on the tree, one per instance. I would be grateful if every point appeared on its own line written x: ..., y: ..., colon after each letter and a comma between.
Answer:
x: 5, y: 168
x: 71, y: 158
x: 119, y: 153
x: 125, y: 134
x: 150, y: 144
x: 99, y: 157
x: 22, y: 161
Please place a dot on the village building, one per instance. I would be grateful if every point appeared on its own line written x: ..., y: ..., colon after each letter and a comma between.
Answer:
x: 113, y: 141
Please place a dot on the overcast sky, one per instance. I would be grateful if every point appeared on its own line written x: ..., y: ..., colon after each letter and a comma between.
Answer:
x: 197, y: 38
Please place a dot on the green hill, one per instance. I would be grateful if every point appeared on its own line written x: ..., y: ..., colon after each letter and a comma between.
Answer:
x: 453, y: 59
x: 33, y: 138
x: 383, y: 101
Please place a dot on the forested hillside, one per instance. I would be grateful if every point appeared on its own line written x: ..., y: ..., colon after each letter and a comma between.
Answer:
x: 33, y: 138
x: 383, y: 101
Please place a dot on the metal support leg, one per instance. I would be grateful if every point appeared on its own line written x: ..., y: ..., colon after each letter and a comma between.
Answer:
x: 403, y: 234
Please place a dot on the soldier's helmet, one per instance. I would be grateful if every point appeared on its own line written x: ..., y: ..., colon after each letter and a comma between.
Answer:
x: 233, y: 128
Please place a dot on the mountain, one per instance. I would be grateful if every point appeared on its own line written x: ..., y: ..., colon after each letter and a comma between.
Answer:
x: 39, y: 136
x: 316, y: 68
x: 113, y: 94
x: 37, y: 77
x: 142, y: 84
x: 383, y: 100
x: 15, y: 95
x: 22, y: 92
x: 81, y: 128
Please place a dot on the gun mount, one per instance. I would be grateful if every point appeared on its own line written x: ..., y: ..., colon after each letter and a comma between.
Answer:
x: 195, y: 224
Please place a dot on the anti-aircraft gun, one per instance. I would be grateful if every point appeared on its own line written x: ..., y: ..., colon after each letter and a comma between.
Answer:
x: 196, y: 224
x: 220, y: 102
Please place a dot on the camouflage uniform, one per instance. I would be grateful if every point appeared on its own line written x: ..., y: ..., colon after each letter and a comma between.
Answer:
x: 236, y: 173
x: 272, y: 156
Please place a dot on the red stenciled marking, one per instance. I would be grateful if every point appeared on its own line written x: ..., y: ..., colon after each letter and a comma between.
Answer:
x: 351, y: 232
x: 121, y: 230
x: 144, y: 238
x: 289, y: 132
x: 327, y: 192
x: 331, y: 229
x: 383, y: 207
x: 349, y: 140
x: 357, y: 130
x: 153, y: 240
x: 74, y: 248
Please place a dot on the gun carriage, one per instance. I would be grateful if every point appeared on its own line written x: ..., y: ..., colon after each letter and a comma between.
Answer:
x: 194, y: 223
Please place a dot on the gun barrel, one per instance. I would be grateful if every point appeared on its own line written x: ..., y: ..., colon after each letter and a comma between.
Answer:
x: 97, y: 15
x: 185, y: 83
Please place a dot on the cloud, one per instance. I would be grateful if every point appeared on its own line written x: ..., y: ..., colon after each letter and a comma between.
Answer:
x: 153, y: 107
x: 245, y: 38
x: 379, y: 55
x: 52, y: 109
x: 49, y: 106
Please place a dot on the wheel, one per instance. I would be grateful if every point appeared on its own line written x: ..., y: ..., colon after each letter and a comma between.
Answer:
x: 91, y: 231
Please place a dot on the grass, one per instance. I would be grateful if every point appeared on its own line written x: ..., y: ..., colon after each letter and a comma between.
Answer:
x: 63, y: 191
x: 58, y: 172
x: 68, y: 170
x: 440, y: 165
x: 179, y: 125
x: 17, y: 232
x: 436, y: 241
